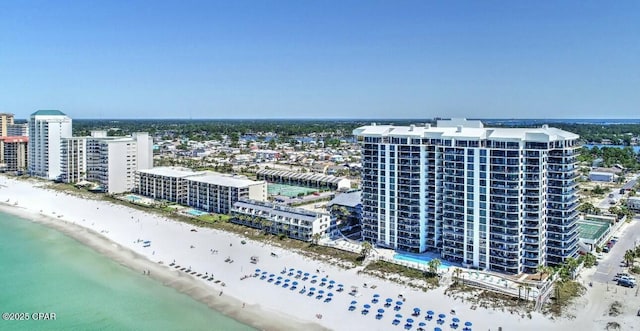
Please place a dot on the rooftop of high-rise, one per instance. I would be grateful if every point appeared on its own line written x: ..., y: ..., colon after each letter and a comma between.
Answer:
x: 465, y: 129
x: 48, y: 112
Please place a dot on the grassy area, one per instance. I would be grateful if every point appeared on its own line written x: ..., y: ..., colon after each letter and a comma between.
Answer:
x: 212, y: 218
x: 490, y: 300
x: 386, y: 269
x: 563, y: 295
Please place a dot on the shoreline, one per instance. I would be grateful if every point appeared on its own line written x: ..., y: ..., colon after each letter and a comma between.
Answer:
x: 118, y: 232
x: 251, y: 315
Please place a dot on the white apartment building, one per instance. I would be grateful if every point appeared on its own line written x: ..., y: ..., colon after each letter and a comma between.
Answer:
x: 165, y: 183
x: 46, y: 129
x: 112, y: 162
x: 206, y: 190
x: 296, y: 223
x: 73, y: 159
x: 217, y: 193
x: 501, y: 199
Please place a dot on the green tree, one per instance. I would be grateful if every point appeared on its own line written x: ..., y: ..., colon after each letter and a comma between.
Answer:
x: 365, y: 249
x: 433, y: 265
x: 629, y: 257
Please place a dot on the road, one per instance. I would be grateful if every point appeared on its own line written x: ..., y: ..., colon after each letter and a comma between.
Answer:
x: 612, y: 263
x: 605, y: 203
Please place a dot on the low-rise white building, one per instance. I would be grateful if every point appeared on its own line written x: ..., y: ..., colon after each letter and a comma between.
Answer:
x: 304, y: 179
x: 164, y: 183
x: 606, y: 177
x: 296, y: 223
x: 634, y: 203
x: 205, y: 190
x: 217, y: 193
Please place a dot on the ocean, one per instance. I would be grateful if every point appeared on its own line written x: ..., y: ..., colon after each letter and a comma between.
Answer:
x: 44, y: 271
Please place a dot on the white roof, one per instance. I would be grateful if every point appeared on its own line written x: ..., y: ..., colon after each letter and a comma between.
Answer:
x: 223, y: 180
x: 178, y: 172
x: 472, y: 131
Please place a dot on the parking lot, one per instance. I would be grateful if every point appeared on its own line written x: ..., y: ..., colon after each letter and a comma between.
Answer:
x: 612, y: 262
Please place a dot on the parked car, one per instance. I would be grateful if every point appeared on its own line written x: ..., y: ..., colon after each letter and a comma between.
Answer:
x: 626, y: 283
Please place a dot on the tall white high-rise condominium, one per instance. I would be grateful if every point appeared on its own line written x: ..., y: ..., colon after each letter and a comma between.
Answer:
x: 110, y: 162
x: 46, y: 129
x: 502, y: 199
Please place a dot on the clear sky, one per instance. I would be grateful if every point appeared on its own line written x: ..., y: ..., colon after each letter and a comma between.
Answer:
x: 321, y: 59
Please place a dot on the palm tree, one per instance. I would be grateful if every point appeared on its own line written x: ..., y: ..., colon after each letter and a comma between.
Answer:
x: 572, y: 265
x: 629, y: 257
x: 315, y: 238
x: 366, y: 249
x: 434, y: 264
x: 542, y: 269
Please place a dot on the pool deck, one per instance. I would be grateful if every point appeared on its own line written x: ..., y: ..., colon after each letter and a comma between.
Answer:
x: 506, y: 284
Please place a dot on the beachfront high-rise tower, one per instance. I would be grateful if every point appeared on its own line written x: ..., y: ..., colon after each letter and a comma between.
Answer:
x: 501, y: 199
x: 46, y: 129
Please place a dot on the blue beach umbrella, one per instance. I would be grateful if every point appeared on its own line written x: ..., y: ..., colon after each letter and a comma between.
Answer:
x: 295, y: 283
x: 332, y: 281
x: 287, y: 280
x: 380, y: 310
x: 264, y: 272
x: 324, y: 279
x: 313, y: 289
x: 321, y: 292
x: 455, y: 320
x: 468, y: 324
x: 279, y: 277
x: 306, y: 274
x: 291, y: 269
x: 340, y: 285
x: 442, y: 315
x: 398, y: 315
x: 354, y: 302
x: 367, y: 306
x: 437, y: 329
x: 257, y: 270
x: 314, y: 276
x: 330, y: 294
x: 389, y: 300
x: 272, y: 275
x: 410, y: 320
x: 422, y: 324
x: 399, y: 303
x: 300, y: 271
x: 430, y: 312
x: 376, y: 295
x: 416, y: 310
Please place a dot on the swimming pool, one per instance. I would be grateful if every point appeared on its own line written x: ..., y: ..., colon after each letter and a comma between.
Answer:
x: 421, y: 259
x: 195, y: 212
x: 133, y: 198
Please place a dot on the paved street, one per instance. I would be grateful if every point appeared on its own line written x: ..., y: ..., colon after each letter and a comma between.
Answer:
x: 605, y: 203
x: 612, y: 263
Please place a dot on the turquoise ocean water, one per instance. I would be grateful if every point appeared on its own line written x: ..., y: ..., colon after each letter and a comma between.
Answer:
x: 42, y: 270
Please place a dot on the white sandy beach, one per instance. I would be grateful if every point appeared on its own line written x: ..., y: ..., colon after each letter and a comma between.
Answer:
x: 268, y: 306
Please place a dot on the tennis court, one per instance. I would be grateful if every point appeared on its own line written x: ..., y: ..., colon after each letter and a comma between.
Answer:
x: 593, y: 229
x: 288, y: 190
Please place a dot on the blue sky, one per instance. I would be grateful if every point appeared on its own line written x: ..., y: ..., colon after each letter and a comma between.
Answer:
x: 321, y: 59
